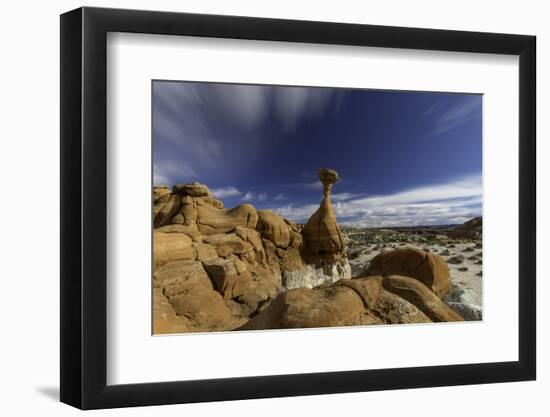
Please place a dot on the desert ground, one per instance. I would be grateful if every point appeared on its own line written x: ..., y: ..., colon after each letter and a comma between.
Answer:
x: 462, y: 252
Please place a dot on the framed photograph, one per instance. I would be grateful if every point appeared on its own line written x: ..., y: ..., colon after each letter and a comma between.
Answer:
x: 260, y: 208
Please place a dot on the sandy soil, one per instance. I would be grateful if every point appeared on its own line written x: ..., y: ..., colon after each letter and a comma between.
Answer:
x: 463, y: 256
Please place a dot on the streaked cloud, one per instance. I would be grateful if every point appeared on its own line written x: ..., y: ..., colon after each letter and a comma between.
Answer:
x: 251, y: 196
x: 431, y: 109
x: 280, y: 197
x: 171, y: 172
x: 160, y: 178
x: 344, y: 196
x: 296, y: 213
x: 313, y: 185
x: 295, y: 104
x: 453, y: 202
x: 226, y: 192
x: 196, y: 119
x: 469, y: 108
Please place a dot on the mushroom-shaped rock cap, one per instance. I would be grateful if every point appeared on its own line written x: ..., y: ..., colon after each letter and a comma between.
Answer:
x: 328, y: 177
x: 194, y: 189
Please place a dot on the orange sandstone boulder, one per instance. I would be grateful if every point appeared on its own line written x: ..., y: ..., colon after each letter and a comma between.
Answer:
x: 231, y: 241
x: 303, y: 308
x: 165, y: 208
x: 165, y: 319
x: 169, y: 247
x: 272, y: 227
x: 189, y: 291
x: 392, y: 309
x: 430, y: 269
x: 420, y: 296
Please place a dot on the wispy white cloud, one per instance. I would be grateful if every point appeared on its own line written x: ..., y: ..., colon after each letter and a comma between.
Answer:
x: 246, y: 106
x: 251, y: 196
x: 298, y: 103
x: 431, y: 109
x: 159, y: 179
x: 226, y: 192
x: 280, y: 197
x: 183, y: 115
x: 179, y: 121
x: 296, y: 213
x: 344, y: 196
x: 313, y: 185
x: 457, y: 188
x: 170, y: 172
x: 468, y: 109
x: 452, y: 202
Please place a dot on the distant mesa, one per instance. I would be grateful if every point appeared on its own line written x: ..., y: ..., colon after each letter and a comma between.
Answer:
x: 472, y: 229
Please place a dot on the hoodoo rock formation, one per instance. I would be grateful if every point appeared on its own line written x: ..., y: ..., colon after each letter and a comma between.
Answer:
x: 323, y: 240
x: 324, y: 248
x: 219, y: 269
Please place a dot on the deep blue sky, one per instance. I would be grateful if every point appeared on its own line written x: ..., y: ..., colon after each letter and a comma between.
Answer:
x: 403, y: 157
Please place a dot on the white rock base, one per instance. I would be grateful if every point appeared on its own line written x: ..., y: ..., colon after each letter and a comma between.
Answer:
x: 312, y: 276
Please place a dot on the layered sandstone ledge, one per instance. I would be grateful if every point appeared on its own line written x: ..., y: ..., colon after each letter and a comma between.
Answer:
x: 220, y: 269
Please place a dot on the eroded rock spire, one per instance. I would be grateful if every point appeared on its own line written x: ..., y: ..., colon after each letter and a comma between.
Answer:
x: 323, y: 239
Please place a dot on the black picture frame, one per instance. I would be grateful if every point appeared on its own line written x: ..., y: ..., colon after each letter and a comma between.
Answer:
x: 84, y: 207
